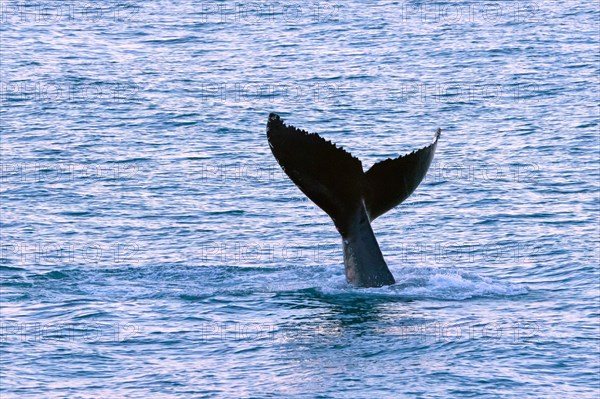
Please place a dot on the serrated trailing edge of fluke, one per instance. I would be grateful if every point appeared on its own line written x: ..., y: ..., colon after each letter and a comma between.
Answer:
x: 275, y: 120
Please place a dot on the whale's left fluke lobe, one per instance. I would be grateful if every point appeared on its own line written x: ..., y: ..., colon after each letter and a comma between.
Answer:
x: 328, y: 175
x: 334, y: 180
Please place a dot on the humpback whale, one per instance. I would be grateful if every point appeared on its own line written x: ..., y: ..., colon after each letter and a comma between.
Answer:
x: 335, y: 181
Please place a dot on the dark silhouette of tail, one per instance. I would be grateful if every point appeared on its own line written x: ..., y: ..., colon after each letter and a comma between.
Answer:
x: 334, y: 180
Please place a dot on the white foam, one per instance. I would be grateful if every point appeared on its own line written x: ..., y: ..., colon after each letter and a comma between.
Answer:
x: 453, y: 284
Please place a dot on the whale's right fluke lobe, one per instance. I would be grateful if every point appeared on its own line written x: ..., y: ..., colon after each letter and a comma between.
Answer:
x: 390, y: 182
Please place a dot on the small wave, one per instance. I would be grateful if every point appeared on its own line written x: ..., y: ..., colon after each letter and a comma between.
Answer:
x: 10, y: 268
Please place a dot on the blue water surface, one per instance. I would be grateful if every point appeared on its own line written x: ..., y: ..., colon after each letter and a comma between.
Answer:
x: 152, y: 247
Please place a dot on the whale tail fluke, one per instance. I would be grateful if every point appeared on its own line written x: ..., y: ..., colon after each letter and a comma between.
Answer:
x: 335, y: 181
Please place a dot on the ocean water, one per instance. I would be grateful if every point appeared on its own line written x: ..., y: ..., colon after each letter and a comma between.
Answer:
x: 152, y: 247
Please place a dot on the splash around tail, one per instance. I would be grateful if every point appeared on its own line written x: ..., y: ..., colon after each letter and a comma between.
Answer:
x: 335, y: 181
